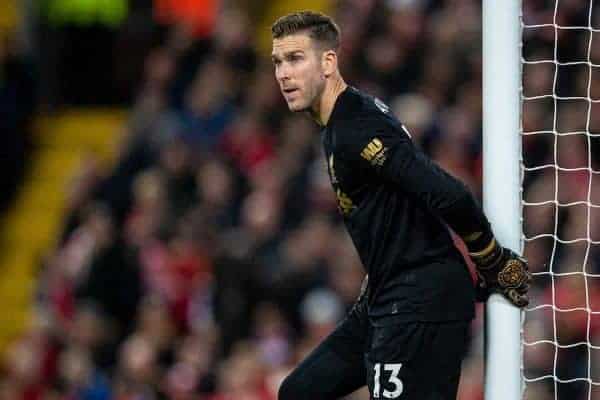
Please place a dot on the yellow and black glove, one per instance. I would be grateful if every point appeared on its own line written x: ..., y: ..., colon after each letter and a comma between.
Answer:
x: 503, y: 271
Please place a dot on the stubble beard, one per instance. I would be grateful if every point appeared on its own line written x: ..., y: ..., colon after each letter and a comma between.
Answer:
x: 303, y: 107
x: 312, y: 103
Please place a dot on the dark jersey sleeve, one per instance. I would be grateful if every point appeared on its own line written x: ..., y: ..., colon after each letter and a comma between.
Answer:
x: 384, y: 146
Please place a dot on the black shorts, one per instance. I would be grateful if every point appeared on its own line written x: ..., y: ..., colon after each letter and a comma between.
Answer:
x: 405, y: 360
x: 416, y: 360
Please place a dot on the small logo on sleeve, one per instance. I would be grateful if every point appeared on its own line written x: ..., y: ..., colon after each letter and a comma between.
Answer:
x: 374, y: 152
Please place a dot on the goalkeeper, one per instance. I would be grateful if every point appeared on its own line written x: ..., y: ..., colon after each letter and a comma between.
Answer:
x: 407, y: 333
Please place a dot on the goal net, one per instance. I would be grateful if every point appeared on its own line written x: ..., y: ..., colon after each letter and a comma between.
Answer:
x: 561, y: 197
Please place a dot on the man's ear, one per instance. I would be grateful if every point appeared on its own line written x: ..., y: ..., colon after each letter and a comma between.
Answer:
x: 329, y: 62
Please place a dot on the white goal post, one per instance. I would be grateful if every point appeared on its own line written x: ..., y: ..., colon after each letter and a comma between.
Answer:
x: 541, y: 151
x: 501, y: 29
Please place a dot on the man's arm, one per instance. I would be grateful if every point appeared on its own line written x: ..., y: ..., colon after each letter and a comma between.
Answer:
x: 388, y: 150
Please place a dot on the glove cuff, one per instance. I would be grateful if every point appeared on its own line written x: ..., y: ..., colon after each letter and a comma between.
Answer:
x: 489, y: 256
x: 478, y: 241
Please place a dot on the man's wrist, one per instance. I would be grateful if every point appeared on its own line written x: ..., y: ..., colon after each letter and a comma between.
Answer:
x: 487, y: 257
x: 478, y: 242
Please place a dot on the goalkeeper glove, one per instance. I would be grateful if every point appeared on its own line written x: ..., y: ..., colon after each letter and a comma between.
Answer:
x: 503, y: 271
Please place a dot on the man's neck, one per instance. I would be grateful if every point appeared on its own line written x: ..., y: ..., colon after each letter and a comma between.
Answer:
x: 321, y: 112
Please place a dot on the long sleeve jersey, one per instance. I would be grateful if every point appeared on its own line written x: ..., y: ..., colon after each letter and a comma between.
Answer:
x: 397, y: 206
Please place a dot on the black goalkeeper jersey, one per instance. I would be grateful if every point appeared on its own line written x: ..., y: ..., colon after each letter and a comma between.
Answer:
x: 397, y: 206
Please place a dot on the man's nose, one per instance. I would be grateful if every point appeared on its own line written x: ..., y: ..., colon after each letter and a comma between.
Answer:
x: 282, y: 73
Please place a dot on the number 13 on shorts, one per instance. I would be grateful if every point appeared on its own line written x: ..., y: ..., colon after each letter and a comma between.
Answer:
x: 393, y: 380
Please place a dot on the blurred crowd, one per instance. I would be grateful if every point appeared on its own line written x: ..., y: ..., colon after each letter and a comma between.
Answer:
x: 17, y: 103
x: 212, y: 258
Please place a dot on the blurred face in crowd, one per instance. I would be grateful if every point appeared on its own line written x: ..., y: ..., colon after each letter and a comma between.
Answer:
x: 301, y: 70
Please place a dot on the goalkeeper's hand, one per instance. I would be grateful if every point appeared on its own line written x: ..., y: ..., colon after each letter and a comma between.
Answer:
x: 503, y: 271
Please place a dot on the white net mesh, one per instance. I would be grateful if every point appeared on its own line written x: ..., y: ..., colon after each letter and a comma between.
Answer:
x: 561, y: 197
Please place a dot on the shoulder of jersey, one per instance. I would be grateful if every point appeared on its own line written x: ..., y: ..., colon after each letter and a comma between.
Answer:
x: 382, y: 112
x: 374, y: 108
x: 360, y: 107
x: 366, y: 110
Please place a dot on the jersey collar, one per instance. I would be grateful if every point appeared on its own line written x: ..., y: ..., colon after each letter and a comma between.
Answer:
x: 344, y: 104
